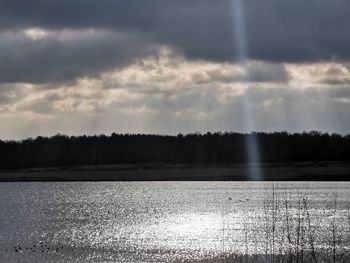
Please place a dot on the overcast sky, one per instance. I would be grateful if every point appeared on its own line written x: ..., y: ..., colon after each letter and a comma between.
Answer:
x: 171, y: 66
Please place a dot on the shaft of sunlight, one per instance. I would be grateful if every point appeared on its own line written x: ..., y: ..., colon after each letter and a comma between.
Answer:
x: 252, y: 144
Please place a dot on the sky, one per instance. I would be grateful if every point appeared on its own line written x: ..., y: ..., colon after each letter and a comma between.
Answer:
x: 173, y: 66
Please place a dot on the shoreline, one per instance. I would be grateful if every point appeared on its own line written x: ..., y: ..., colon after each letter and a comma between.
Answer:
x: 324, y: 171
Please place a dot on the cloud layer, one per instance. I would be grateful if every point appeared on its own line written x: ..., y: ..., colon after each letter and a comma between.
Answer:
x: 169, y: 66
x: 168, y: 93
x: 307, y: 22
x: 102, y: 34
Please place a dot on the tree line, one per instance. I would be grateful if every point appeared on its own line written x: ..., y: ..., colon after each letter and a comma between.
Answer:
x: 198, y: 149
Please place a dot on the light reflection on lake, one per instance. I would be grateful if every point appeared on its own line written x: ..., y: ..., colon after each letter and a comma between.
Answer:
x: 155, y: 221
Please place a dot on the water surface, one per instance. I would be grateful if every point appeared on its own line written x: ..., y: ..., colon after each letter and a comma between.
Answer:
x: 160, y: 221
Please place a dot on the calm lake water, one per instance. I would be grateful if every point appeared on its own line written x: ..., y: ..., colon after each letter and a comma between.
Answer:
x: 163, y: 221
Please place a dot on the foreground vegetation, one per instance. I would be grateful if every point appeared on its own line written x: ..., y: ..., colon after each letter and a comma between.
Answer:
x: 292, y: 232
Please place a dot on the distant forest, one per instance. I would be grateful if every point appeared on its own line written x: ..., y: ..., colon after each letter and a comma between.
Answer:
x: 197, y: 149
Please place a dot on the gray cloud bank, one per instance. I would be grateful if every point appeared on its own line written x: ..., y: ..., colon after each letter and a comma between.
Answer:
x: 277, y: 31
x: 168, y: 66
x: 66, y: 55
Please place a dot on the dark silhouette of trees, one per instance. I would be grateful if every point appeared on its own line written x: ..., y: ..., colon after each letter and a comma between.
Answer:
x: 200, y: 149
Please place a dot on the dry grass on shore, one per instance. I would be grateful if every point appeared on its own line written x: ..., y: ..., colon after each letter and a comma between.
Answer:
x: 183, y: 172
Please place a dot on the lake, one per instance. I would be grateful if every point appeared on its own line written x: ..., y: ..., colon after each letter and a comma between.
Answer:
x: 171, y: 221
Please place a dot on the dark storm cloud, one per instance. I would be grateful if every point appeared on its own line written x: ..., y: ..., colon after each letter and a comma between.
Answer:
x: 336, y: 81
x: 65, y: 57
x: 267, y: 72
x: 10, y: 94
x: 277, y: 30
x: 340, y: 93
x: 5, y: 98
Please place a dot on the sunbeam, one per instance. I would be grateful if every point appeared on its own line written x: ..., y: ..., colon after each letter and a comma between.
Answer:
x: 252, y: 144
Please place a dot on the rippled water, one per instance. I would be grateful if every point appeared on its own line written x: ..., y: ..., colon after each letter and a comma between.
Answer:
x: 159, y: 221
